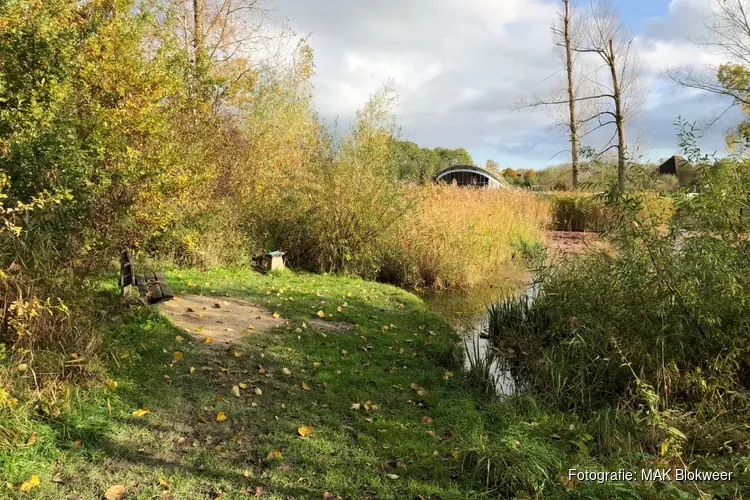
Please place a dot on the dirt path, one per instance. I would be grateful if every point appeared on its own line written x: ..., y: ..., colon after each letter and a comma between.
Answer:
x: 220, y: 321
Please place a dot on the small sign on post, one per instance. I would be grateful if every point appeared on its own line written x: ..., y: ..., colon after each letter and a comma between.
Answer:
x: 275, y: 261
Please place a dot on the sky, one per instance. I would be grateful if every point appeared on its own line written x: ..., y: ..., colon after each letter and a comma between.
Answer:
x: 460, y: 68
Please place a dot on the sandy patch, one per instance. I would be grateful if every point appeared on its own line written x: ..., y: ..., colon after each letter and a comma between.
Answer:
x: 221, y: 319
x: 565, y: 242
x: 224, y: 320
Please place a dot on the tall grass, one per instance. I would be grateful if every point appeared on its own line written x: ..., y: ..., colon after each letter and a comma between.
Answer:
x: 459, y: 237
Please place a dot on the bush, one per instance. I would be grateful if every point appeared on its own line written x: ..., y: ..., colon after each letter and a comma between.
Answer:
x: 662, y: 324
x: 582, y: 212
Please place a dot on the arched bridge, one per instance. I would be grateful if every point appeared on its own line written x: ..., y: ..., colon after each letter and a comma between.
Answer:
x: 469, y: 175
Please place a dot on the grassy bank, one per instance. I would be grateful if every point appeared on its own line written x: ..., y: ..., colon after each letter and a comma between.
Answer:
x: 392, y: 415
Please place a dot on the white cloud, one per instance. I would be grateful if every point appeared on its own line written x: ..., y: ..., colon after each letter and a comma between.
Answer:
x: 459, y: 67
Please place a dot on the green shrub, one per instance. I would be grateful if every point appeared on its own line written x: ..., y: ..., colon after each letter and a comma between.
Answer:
x: 656, y: 325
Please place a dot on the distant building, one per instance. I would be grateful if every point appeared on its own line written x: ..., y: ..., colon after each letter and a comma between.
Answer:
x: 470, y: 175
x: 673, y: 165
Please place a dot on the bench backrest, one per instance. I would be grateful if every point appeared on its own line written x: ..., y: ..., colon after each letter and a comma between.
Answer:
x: 127, y: 273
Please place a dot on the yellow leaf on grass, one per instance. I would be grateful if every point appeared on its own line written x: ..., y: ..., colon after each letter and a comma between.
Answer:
x: 447, y: 375
x: 242, y: 386
x: 258, y: 391
x: 111, y: 384
x: 316, y: 364
x: 115, y: 492
x: 339, y: 309
x: 426, y: 420
x: 305, y: 431
x: 141, y: 412
x: 321, y: 314
x: 179, y: 338
x: 274, y: 454
x: 236, y: 391
x: 32, y: 439
x: 177, y: 357
x: 220, y: 417
x: 208, y: 340
x: 275, y: 315
x: 30, y: 483
x: 305, y: 386
x: 286, y: 371
x: 163, y: 482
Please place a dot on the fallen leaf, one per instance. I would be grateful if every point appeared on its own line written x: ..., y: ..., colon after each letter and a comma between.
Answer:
x: 447, y: 375
x: 163, y: 482
x: 305, y: 386
x: 275, y: 315
x: 426, y: 420
x: 242, y: 386
x: 177, y: 357
x: 261, y: 370
x: 339, y: 309
x: 236, y: 390
x: 115, y: 492
x: 258, y: 491
x: 321, y: 314
x: 208, y: 340
x: 179, y: 338
x: 141, y: 412
x: 274, y: 454
x: 392, y: 476
x: 286, y: 371
x: 305, y: 431
x: 111, y: 384
x: 32, y: 482
x: 316, y: 364
x: 220, y: 417
x: 258, y: 391
x: 32, y: 439
x: 355, y: 406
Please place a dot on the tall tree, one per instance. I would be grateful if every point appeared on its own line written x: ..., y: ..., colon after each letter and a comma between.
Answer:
x: 567, y: 42
x: 606, y: 38
x: 566, y: 34
x: 198, y: 43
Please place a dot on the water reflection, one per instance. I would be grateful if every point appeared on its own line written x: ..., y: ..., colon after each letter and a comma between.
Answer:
x: 466, y: 311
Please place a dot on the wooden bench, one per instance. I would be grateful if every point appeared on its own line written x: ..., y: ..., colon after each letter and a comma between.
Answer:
x: 152, y: 286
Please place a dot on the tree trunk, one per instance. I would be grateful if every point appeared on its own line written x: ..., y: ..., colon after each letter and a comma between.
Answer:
x: 619, y: 119
x: 571, y: 95
x: 198, y: 32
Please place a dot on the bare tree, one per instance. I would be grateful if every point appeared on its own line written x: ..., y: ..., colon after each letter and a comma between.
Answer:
x: 567, y: 42
x: 607, y: 40
x: 198, y: 45
x: 565, y: 33
x: 234, y: 37
x: 728, y: 37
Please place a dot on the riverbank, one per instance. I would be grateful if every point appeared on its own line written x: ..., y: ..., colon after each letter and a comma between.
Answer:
x: 336, y: 388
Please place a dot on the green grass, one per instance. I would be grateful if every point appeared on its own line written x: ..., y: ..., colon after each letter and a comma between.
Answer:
x: 431, y: 435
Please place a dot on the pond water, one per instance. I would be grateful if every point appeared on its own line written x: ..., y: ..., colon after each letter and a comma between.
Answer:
x: 466, y: 311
